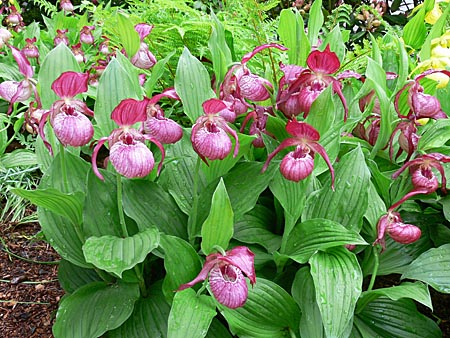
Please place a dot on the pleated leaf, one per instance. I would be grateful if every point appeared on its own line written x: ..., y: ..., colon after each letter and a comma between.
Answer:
x: 190, y: 315
x: 304, y: 294
x: 217, y: 229
x: 192, y: 84
x: 394, y: 319
x: 269, y: 312
x: 338, y: 281
x: 149, y: 318
x: 415, y: 31
x: 16, y: 158
x: 127, y: 34
x: 435, y: 136
x: 416, y: 291
x: 59, y: 60
x: 432, y: 267
x: 318, y: 234
x: 94, y: 309
x: 115, y: 254
x: 348, y: 203
x: 71, y: 277
x: 66, y: 205
x: 115, y: 85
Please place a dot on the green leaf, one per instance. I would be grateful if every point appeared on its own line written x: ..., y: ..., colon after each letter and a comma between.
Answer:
x: 436, y: 31
x: 348, y: 203
x: 416, y: 291
x: 304, y: 294
x: 435, y: 136
x: 59, y: 60
x: 217, y: 229
x: 162, y: 211
x: 338, y: 281
x: 149, y: 318
x: 315, y: 22
x: 157, y: 72
x: 292, y: 33
x: 269, y: 312
x: 318, y: 234
x: 115, y: 85
x: 394, y: 319
x: 190, y: 315
x: 415, y: 31
x: 18, y: 157
x: 71, y: 277
x: 192, y: 84
x: 181, y: 262
x: 94, y: 309
x: 218, y: 330
x: 432, y: 267
x: 127, y: 34
x: 115, y: 255
x: 322, y: 111
x: 66, y: 205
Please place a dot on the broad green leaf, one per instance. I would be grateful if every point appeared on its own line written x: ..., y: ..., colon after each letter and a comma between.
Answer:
x: 416, y: 291
x: 292, y: 33
x: 218, y: 330
x: 148, y: 204
x: 435, y: 136
x: 394, y: 319
x: 192, y: 84
x: 269, y: 312
x: 127, y: 34
x: 66, y: 205
x: 94, y: 309
x: 149, y: 318
x: 432, y: 267
x: 181, y: 262
x: 415, y: 31
x: 71, y: 277
x: 16, y: 158
x: 348, y: 203
x: 318, y: 234
x: 315, y: 22
x: 59, y: 60
x: 190, y: 315
x: 304, y: 294
x: 115, y: 85
x: 338, y: 282
x: 157, y: 72
x: 336, y: 42
x: 115, y: 254
x: 98, y: 202
x: 217, y: 229
x: 322, y: 111
x: 256, y: 227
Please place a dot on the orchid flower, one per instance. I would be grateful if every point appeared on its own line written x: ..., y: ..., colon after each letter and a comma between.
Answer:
x: 143, y: 59
x: 407, y: 140
x: 226, y: 276
x: 259, y: 116
x: 14, y: 18
x: 30, y: 50
x: 128, y: 153
x: 78, y: 53
x: 157, y: 125
x: 393, y: 225
x: 5, y: 35
x: 86, y: 35
x: 299, y: 164
x: 423, y: 179
x: 301, y: 86
x: 14, y: 91
x: 66, y: 5
x: 68, y: 115
x: 209, y: 133
x: 61, y: 37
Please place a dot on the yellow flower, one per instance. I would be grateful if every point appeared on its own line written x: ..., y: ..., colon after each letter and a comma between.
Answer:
x: 433, y: 15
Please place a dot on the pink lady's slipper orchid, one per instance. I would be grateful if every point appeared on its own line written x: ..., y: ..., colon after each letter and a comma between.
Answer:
x: 422, y: 176
x: 421, y: 105
x: 393, y: 225
x: 30, y: 50
x: 209, y: 134
x: 78, y: 53
x: 157, y: 125
x: 86, y: 35
x: 226, y: 276
x: 127, y: 150
x: 143, y: 59
x: 68, y: 115
x: 66, y: 5
x: 5, y: 35
x: 259, y: 116
x: 299, y: 164
x: 14, y: 91
x: 301, y: 86
x: 408, y: 139
x: 61, y: 37
x: 14, y: 18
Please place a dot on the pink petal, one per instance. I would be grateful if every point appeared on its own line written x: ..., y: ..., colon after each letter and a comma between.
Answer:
x: 70, y: 84
x: 170, y: 93
x: 131, y: 160
x: 302, y: 130
x: 211, y: 260
x: 23, y: 63
x: 213, y: 106
x: 143, y: 30
x: 129, y: 112
x: 244, y: 259
x: 325, y: 62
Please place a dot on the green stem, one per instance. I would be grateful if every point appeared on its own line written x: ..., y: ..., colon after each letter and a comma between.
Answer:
x: 193, y: 215
x: 63, y: 168
x: 376, y: 254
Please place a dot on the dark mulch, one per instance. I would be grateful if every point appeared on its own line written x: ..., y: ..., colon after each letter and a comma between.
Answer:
x: 29, y: 292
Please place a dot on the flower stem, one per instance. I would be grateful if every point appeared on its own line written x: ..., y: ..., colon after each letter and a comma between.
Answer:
x: 376, y: 253
x: 63, y: 167
x: 193, y: 215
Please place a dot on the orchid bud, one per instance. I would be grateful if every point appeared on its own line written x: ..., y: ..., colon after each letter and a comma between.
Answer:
x: 103, y: 48
x: 86, y: 35
x: 131, y: 158
x: 72, y: 128
x: 298, y: 164
x: 14, y: 18
x: 254, y: 88
x: 424, y: 105
x: 78, y: 53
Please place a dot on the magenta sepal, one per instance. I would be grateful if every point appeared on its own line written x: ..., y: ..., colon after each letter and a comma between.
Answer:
x: 325, y: 62
x: 70, y: 84
x: 143, y: 29
x: 23, y: 63
x: 130, y: 111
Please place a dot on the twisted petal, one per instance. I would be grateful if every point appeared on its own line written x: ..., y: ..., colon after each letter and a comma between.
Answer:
x: 255, y: 51
x: 211, y: 260
x: 23, y: 63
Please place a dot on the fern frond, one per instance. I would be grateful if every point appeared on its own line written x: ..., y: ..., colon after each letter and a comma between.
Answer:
x: 47, y: 6
x: 340, y: 16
